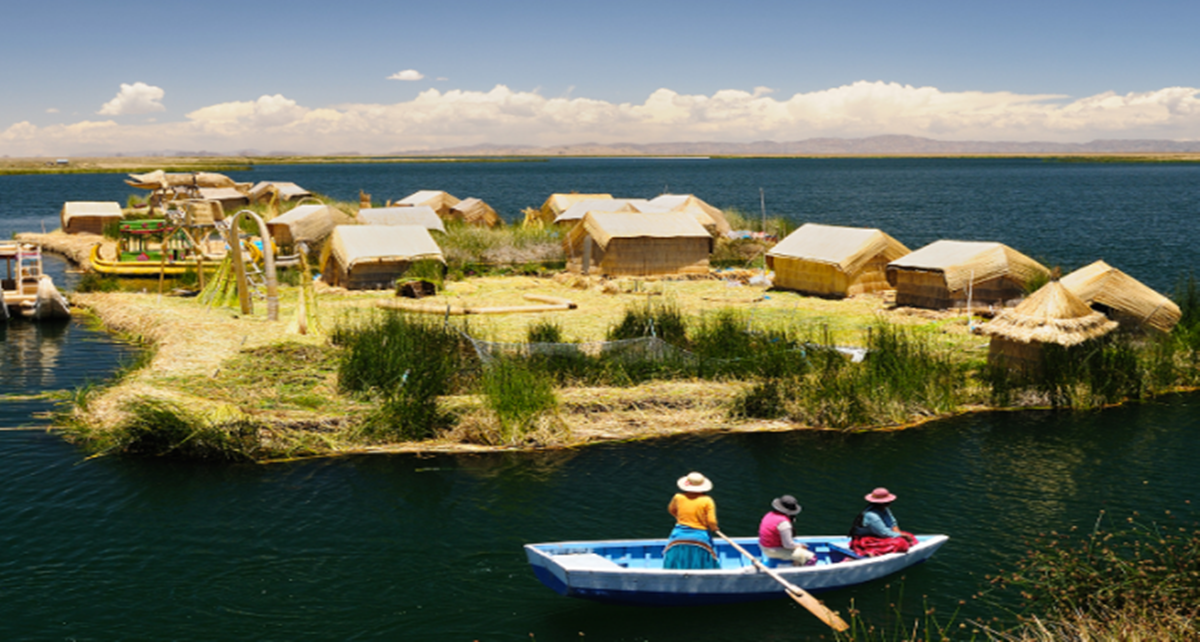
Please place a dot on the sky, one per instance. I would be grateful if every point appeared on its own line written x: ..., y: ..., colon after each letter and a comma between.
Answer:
x: 378, y: 77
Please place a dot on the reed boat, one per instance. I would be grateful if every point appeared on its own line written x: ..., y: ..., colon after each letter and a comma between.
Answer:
x: 631, y: 571
x: 150, y: 247
x: 24, y: 289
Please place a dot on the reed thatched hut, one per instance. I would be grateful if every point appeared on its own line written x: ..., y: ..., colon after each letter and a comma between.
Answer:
x: 946, y: 274
x: 558, y: 203
x: 422, y: 215
x: 713, y: 219
x: 366, y: 257
x: 89, y: 216
x: 1050, y: 315
x: 441, y: 202
x: 638, y: 244
x: 1122, y: 298
x: 307, y: 223
x: 286, y: 191
x: 231, y: 199
x: 834, y: 261
x: 474, y: 211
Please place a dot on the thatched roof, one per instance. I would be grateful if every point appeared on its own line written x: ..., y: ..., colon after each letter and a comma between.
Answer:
x: 422, y: 215
x: 475, y: 212
x: 287, y: 191
x: 848, y: 248
x: 354, y: 244
x: 1100, y: 283
x: 710, y: 217
x: 603, y: 227
x: 577, y: 211
x: 307, y: 223
x: 227, y: 195
x: 1050, y: 315
x: 965, y: 261
x: 558, y: 203
x: 440, y: 201
x: 158, y: 179
x: 100, y: 209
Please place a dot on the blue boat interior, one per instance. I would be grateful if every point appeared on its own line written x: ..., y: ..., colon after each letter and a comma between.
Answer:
x: 649, y: 554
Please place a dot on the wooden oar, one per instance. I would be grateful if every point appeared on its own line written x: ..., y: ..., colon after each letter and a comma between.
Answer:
x: 802, y: 597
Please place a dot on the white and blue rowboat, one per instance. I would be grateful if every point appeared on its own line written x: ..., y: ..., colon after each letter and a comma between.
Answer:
x: 631, y: 571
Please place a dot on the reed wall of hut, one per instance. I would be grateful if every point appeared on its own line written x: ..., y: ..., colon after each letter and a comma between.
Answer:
x: 474, y: 211
x: 928, y: 289
x: 88, y: 217
x: 828, y: 279
x: 637, y: 244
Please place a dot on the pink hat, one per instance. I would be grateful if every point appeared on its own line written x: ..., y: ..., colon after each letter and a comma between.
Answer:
x: 881, y: 496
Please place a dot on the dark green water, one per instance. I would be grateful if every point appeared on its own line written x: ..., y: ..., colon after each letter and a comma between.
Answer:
x: 429, y: 548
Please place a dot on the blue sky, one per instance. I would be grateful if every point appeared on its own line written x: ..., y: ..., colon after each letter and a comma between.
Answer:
x: 118, y: 76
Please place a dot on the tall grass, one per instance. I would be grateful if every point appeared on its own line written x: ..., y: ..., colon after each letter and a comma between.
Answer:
x: 1119, y: 568
x: 164, y: 429
x: 407, y: 362
x: 519, y: 395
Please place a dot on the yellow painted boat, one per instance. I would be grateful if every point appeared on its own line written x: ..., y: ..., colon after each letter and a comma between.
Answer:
x: 148, y: 267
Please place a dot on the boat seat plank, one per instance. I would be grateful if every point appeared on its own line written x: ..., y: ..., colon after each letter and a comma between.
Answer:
x: 586, y: 562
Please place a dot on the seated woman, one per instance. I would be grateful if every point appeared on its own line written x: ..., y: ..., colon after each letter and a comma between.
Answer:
x: 690, y: 545
x: 775, y: 533
x: 875, y: 530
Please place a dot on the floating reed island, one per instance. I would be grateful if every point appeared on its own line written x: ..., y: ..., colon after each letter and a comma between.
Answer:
x: 426, y: 324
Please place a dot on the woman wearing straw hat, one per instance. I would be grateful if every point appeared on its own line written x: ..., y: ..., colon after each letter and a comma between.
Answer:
x: 690, y: 545
x: 775, y: 533
x: 875, y: 530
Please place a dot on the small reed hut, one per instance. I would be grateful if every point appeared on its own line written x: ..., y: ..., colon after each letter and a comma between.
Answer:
x: 945, y: 274
x: 89, y: 216
x: 441, y: 202
x: 199, y: 212
x: 1050, y: 315
x: 422, y: 215
x: 710, y: 217
x: 307, y: 223
x: 1122, y: 298
x: 231, y: 198
x: 372, y: 257
x: 638, y: 244
x: 558, y: 203
x: 474, y: 211
x: 262, y: 191
x: 834, y: 261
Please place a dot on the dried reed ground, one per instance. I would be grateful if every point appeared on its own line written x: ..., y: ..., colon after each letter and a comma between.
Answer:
x: 224, y: 366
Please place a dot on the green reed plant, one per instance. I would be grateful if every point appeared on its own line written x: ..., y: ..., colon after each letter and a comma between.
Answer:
x: 165, y: 429
x: 1113, y: 567
x: 544, y: 331
x: 96, y: 282
x: 407, y: 361
x: 661, y: 319
x: 519, y: 395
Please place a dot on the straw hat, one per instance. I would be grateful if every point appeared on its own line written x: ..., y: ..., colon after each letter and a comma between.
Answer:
x: 786, y: 505
x: 694, y: 483
x: 880, y: 496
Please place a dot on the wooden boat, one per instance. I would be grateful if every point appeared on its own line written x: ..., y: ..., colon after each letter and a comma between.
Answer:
x: 24, y: 289
x: 631, y: 572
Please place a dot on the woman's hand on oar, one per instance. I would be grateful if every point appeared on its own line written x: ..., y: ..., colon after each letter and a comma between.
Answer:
x: 801, y: 596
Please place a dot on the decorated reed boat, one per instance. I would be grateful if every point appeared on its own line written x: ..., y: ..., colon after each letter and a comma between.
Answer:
x: 631, y: 571
x: 24, y: 289
x: 150, y: 247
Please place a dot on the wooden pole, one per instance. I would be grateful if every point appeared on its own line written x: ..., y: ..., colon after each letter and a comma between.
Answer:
x: 802, y: 597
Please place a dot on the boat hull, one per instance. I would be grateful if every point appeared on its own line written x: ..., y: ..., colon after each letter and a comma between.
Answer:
x: 630, y: 571
x: 147, y: 268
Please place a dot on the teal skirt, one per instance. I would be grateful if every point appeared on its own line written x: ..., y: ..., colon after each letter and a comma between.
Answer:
x: 689, y: 548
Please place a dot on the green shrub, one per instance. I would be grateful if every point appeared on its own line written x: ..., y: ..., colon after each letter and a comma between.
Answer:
x: 519, y: 395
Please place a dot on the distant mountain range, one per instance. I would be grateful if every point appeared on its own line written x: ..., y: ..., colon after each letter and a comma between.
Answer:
x: 870, y: 146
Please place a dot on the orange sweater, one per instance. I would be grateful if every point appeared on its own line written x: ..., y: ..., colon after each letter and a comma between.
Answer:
x: 700, y: 512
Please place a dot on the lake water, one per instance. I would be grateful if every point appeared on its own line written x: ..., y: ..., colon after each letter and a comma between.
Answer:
x: 429, y: 548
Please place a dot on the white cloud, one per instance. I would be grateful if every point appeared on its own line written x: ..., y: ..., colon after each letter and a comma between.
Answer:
x: 52, y: 110
x: 138, y: 98
x: 436, y: 119
x: 407, y: 74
